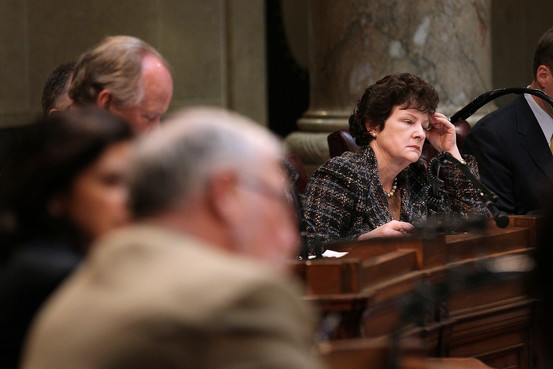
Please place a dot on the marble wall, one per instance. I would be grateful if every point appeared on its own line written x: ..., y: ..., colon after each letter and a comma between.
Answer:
x: 354, y: 43
x: 447, y: 43
x: 216, y: 47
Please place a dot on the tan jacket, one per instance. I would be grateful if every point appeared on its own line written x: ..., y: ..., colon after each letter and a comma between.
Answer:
x: 149, y: 298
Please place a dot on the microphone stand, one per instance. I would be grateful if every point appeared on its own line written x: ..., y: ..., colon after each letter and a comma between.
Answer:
x: 414, y: 308
x: 487, y: 196
x: 486, y: 97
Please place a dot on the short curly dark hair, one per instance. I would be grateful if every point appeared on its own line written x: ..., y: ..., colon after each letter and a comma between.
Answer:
x: 375, y: 106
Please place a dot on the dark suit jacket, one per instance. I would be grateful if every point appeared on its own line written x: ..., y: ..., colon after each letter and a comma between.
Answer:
x: 514, y: 158
x: 28, y: 275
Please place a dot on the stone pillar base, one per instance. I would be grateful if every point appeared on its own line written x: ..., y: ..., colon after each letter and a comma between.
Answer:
x: 312, y: 147
x: 310, y: 142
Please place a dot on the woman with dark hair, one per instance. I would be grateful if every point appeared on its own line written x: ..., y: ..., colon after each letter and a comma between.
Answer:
x: 63, y: 189
x: 383, y: 189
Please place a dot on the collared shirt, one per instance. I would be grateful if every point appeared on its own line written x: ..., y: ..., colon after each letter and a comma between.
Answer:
x: 544, y: 119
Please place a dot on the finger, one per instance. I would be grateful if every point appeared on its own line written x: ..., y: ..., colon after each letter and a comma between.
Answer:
x: 405, y: 225
x: 400, y: 232
x: 443, y: 122
x: 443, y: 126
x: 440, y: 115
x: 396, y: 233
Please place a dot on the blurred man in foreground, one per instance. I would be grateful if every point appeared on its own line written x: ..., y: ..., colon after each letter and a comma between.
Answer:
x: 199, y: 281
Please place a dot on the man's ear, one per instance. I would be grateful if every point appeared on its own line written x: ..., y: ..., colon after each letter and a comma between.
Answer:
x: 222, y: 196
x: 104, y: 99
x: 543, y: 74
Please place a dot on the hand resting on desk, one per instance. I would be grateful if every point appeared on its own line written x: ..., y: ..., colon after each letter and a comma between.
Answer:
x: 394, y: 228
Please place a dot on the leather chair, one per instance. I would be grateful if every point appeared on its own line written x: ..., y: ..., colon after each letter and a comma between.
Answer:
x: 341, y: 141
x: 301, y: 182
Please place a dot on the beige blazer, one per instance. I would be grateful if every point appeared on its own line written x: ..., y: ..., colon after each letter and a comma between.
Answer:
x: 150, y: 298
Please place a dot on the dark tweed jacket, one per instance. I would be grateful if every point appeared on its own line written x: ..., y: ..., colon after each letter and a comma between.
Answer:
x: 345, y: 198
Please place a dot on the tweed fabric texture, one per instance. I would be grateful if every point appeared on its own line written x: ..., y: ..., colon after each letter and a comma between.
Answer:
x: 345, y: 198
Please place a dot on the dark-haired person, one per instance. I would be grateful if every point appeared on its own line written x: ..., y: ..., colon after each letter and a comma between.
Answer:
x: 513, y: 144
x: 62, y: 191
x: 55, y: 96
x: 383, y: 188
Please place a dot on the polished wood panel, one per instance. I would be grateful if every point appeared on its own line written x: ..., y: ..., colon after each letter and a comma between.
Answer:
x: 440, y: 290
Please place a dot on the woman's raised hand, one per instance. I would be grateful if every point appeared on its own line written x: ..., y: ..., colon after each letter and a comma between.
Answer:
x: 442, y: 135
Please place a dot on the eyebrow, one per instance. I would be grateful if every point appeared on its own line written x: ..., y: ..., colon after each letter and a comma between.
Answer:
x: 414, y: 117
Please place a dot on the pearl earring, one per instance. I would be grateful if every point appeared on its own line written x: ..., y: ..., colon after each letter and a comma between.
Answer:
x: 373, y: 134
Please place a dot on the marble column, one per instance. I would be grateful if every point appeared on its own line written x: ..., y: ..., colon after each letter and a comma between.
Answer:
x: 353, y: 43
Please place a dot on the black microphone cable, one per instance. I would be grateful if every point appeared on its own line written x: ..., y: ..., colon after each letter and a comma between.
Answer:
x: 486, y: 97
x: 487, y: 196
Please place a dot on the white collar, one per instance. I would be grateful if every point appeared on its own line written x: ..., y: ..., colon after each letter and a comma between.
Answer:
x: 545, y: 121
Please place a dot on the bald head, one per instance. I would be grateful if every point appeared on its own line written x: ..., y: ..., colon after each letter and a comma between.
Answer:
x: 127, y: 77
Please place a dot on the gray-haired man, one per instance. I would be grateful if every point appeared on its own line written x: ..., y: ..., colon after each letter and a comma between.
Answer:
x: 199, y: 281
x: 127, y: 77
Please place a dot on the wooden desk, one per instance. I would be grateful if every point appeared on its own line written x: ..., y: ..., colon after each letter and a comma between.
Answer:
x: 348, y: 354
x: 438, y: 290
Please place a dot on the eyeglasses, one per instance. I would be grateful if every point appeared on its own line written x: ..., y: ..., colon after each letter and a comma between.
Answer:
x: 256, y: 185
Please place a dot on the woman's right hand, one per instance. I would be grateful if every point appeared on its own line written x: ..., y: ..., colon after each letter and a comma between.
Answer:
x: 395, y: 228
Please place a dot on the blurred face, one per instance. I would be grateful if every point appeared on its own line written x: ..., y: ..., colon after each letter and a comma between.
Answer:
x: 97, y: 199
x: 158, y: 90
x: 400, y: 142
x: 268, y: 229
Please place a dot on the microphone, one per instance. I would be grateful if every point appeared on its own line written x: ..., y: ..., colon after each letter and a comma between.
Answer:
x: 487, y: 196
x: 500, y: 218
x: 486, y: 97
